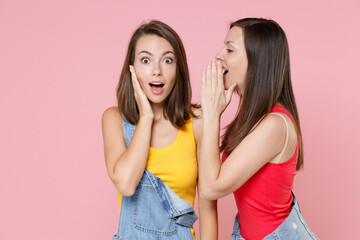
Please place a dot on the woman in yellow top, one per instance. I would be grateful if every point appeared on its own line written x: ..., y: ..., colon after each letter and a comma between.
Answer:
x: 154, y: 94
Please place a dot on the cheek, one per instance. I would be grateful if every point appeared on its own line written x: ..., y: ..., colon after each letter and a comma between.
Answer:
x: 141, y: 68
x: 142, y: 84
x: 237, y: 67
x: 172, y: 83
x: 142, y: 78
x: 169, y: 72
x: 142, y: 71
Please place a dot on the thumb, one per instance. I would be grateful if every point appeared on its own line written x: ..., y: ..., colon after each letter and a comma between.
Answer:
x: 229, y: 93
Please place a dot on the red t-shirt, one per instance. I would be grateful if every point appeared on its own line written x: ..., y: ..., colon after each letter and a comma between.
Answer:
x: 265, y: 200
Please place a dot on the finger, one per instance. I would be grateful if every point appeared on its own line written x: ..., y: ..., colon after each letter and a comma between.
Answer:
x: 203, y: 80
x: 135, y: 82
x: 220, y: 76
x: 136, y: 86
x: 213, y: 74
x: 229, y: 93
x: 132, y: 70
x: 208, y: 75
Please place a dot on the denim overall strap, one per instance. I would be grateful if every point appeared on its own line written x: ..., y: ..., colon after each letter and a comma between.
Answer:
x: 176, y: 210
x: 129, y: 130
x: 174, y: 206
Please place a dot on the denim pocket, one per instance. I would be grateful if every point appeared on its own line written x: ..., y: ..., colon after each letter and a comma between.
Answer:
x: 149, y: 215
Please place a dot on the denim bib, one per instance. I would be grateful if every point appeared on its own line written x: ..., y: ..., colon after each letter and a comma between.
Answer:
x: 293, y: 228
x: 154, y: 211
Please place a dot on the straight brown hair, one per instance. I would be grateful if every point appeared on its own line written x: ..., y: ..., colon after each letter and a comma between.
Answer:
x: 267, y: 82
x: 178, y: 107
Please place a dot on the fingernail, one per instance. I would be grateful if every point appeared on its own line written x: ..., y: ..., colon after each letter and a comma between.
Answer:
x: 218, y: 62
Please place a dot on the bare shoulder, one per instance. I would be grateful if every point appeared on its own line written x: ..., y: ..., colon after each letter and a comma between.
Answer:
x: 272, y: 123
x: 268, y: 135
x: 111, y: 115
x: 272, y: 128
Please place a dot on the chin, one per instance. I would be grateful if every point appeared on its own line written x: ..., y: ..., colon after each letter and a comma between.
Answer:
x: 157, y: 100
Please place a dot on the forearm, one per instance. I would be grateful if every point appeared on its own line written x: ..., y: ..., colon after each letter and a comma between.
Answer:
x: 130, y: 166
x: 209, y: 163
x: 208, y: 220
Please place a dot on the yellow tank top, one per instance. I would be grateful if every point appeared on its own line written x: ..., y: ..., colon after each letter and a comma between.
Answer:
x: 176, y: 165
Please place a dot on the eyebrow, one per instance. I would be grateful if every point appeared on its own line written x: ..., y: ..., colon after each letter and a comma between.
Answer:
x: 149, y: 53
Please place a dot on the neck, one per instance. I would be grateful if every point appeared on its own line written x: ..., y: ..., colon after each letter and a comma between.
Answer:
x: 157, y: 109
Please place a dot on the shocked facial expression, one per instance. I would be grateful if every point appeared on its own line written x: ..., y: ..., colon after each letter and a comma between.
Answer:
x: 233, y: 59
x: 155, y: 67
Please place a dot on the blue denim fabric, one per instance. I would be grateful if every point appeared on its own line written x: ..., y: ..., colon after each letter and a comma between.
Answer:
x: 129, y: 130
x: 155, y: 211
x: 293, y: 228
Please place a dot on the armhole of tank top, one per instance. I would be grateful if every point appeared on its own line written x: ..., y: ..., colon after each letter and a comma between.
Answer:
x: 191, y: 132
x: 286, y: 138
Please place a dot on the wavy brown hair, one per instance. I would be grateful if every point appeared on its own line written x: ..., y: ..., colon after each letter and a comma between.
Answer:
x: 267, y: 82
x: 177, y: 107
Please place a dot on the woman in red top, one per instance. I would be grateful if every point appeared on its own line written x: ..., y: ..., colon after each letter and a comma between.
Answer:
x: 262, y: 146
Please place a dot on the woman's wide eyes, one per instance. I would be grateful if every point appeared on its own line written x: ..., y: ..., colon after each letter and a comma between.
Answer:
x: 145, y: 60
x: 166, y: 60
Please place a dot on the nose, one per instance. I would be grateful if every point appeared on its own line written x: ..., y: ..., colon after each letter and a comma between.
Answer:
x: 157, y: 69
x: 219, y: 57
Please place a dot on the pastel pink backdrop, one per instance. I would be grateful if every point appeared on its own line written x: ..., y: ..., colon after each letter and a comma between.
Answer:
x: 59, y: 66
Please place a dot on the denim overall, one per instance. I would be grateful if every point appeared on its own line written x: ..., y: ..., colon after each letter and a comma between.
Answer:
x: 154, y: 211
x: 293, y: 228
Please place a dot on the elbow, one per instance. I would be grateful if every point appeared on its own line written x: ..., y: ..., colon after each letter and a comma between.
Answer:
x: 125, y: 188
x: 124, y: 183
x: 126, y: 192
x: 207, y: 194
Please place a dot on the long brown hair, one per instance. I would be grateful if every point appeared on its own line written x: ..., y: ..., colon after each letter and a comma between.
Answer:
x: 177, y: 107
x: 267, y: 82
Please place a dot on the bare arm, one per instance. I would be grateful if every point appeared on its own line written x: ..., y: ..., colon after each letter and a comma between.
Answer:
x: 207, y: 208
x: 259, y: 147
x: 208, y: 219
x: 125, y: 166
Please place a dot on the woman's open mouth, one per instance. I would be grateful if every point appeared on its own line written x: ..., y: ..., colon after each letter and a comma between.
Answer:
x: 157, y: 87
x: 225, y: 71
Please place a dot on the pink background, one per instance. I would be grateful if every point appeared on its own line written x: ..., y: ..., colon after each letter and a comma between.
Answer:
x: 59, y: 66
